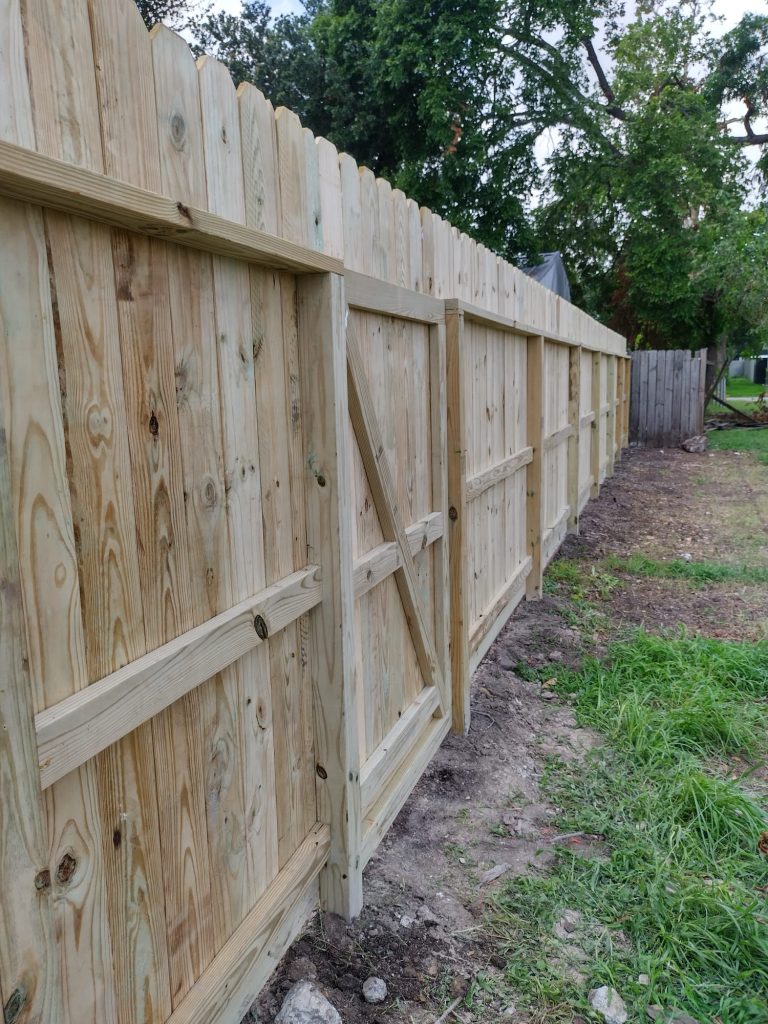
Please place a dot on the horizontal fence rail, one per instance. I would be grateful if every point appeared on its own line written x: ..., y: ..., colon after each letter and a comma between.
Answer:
x: 280, y: 452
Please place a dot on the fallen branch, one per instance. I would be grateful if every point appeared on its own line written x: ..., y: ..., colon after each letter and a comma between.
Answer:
x: 739, y: 412
x: 444, y: 1016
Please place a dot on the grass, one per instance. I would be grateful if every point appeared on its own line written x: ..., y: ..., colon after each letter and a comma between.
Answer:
x: 680, y: 895
x: 696, y: 573
x: 740, y: 387
x: 741, y: 439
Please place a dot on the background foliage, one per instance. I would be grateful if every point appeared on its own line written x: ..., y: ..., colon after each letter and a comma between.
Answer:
x: 595, y: 127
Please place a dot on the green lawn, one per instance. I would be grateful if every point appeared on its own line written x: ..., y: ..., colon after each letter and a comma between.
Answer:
x: 741, y: 439
x: 740, y: 387
x: 679, y: 894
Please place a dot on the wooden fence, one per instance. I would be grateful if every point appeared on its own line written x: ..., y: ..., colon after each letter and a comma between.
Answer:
x: 279, y: 453
x: 667, y: 400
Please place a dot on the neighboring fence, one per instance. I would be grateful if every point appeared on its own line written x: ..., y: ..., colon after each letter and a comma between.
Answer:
x: 252, y: 401
x: 667, y: 400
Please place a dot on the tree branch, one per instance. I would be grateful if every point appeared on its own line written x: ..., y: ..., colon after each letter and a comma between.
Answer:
x: 613, y: 107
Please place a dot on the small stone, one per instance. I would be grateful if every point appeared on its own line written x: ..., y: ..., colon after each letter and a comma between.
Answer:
x: 609, y: 1004
x: 695, y: 445
x: 643, y: 979
x: 555, y: 656
x: 428, y: 916
x: 305, y: 1004
x: 568, y: 924
x: 374, y: 990
x: 687, y: 556
x: 493, y: 873
x: 506, y: 664
x: 406, y: 921
x: 302, y: 969
x: 509, y: 1011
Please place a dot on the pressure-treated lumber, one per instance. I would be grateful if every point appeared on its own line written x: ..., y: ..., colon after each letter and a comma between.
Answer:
x: 73, y: 731
x: 563, y: 434
x: 483, y: 626
x: 240, y: 969
x: 615, y: 345
x: 611, y: 420
x: 380, y: 562
x: 376, y: 296
x: 480, y: 483
x: 57, y: 185
x: 365, y: 424
x: 378, y: 820
x: 574, y: 441
x: 457, y: 499
x: 399, y: 741
x: 322, y: 312
x: 535, y: 468
x: 595, y: 454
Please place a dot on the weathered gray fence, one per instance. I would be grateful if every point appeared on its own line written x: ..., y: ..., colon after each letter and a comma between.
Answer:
x: 666, y: 397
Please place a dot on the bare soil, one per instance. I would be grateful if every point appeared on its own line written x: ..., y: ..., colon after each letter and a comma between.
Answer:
x: 479, y: 805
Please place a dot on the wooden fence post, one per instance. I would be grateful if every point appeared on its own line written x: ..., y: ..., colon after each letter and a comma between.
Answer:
x: 322, y: 340
x: 457, y: 504
x: 610, y: 426
x: 574, y: 421
x: 534, y: 508
x: 594, y: 454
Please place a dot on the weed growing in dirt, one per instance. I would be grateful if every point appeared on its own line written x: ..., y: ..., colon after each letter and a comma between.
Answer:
x: 681, y: 898
x: 696, y: 573
x: 741, y: 439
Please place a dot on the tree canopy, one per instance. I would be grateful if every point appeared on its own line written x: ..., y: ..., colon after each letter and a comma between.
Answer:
x: 600, y: 128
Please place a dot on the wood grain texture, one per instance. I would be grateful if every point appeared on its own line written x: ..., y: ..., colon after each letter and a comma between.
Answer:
x: 185, y: 737
x: 329, y: 529
x: 71, y: 732
x: 65, y: 103
x: 251, y: 954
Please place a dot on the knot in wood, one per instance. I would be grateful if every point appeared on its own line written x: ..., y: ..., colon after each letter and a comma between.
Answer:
x: 321, y: 771
x: 261, y: 627
x: 66, y: 869
x: 453, y: 515
x: 178, y: 130
x: 14, y: 1005
x: 43, y: 880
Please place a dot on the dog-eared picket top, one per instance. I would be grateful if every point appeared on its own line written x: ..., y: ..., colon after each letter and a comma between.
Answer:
x: 279, y: 455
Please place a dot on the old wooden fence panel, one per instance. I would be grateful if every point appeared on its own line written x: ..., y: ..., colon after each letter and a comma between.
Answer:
x: 279, y: 454
x: 667, y: 397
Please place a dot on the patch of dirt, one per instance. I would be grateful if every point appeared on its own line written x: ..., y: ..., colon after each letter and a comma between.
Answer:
x: 668, y: 504
x: 479, y: 805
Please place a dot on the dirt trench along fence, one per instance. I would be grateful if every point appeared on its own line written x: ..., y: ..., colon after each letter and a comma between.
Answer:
x: 667, y: 397
x: 279, y: 452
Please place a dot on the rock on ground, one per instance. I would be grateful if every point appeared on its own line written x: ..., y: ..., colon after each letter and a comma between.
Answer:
x: 609, y: 1004
x: 374, y: 990
x: 306, y: 1004
x: 695, y: 445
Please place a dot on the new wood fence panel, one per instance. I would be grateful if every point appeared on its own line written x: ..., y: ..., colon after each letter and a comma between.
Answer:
x: 241, y: 481
x: 667, y: 397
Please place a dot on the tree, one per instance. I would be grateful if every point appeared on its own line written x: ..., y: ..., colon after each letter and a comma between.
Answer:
x: 447, y: 99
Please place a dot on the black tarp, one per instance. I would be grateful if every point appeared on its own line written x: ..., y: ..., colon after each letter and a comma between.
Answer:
x: 551, y: 273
